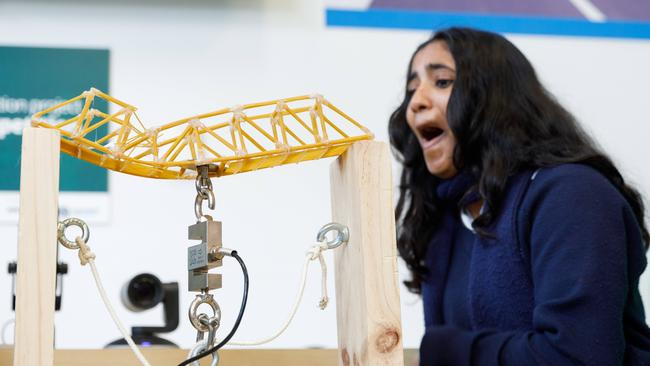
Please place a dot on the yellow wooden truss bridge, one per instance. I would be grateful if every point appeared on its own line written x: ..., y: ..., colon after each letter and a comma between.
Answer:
x: 231, y: 140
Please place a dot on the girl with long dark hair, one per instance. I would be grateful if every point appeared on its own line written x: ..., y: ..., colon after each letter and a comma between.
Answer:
x: 521, y: 235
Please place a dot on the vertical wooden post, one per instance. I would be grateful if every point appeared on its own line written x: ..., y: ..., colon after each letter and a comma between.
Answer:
x: 37, y: 226
x: 367, y: 293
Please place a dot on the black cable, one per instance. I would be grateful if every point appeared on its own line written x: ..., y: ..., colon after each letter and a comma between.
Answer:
x: 239, y: 317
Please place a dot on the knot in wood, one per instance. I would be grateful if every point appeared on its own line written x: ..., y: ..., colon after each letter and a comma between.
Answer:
x: 345, y: 357
x: 387, y: 340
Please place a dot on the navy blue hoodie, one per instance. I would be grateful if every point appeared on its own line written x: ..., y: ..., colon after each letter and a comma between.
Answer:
x: 558, y: 285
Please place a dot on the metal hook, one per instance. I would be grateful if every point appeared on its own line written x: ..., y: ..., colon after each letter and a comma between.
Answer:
x: 342, y: 234
x: 198, y: 204
x: 210, y: 198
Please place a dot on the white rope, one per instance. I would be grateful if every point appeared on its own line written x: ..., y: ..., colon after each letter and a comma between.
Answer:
x: 86, y: 256
x: 6, y: 326
x: 315, y: 252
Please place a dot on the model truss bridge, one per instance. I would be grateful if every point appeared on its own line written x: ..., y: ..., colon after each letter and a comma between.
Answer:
x: 232, y: 140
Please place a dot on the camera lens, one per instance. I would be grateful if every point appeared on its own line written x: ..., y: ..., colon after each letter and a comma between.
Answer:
x: 143, y: 292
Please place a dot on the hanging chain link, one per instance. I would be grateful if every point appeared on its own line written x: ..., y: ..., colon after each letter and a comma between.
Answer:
x: 203, y: 192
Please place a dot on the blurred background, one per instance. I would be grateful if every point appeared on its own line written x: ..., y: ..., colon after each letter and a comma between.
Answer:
x: 172, y: 59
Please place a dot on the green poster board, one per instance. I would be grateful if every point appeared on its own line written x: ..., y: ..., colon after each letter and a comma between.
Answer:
x: 32, y: 79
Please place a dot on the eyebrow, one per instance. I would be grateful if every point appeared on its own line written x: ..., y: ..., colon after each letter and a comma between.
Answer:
x: 431, y: 67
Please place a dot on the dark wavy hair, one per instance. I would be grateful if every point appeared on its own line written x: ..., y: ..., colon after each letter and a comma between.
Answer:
x: 504, y: 121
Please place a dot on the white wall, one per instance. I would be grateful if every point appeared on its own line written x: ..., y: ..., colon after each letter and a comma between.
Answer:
x: 176, y: 60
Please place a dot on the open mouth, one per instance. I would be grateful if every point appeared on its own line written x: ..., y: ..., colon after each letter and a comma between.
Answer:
x: 429, y: 133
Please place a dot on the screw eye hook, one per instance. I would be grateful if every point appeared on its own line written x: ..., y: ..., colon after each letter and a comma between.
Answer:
x: 72, y: 221
x: 195, y: 318
x: 342, y: 235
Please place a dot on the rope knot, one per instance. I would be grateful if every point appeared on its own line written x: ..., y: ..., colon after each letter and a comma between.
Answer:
x: 316, y: 251
x: 322, y: 304
x: 85, y: 254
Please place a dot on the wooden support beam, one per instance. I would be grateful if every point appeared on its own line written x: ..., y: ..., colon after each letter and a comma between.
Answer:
x: 160, y: 356
x: 367, y: 292
x: 36, y: 276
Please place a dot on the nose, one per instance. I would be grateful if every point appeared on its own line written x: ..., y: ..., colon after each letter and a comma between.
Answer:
x: 420, y: 100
